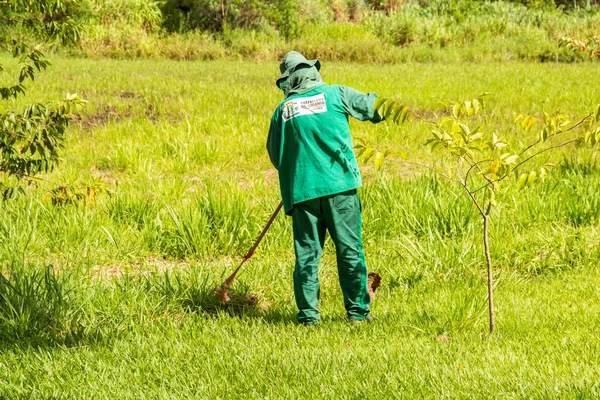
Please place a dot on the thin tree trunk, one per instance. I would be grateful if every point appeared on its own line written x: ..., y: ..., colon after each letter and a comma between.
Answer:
x: 489, y: 272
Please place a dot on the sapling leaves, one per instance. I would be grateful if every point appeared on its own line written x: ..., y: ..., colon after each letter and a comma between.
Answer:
x: 391, y: 110
x: 509, y: 159
x: 522, y: 181
x: 592, y: 138
x: 528, y: 122
x: 456, y: 111
x: 477, y: 153
x: 68, y: 194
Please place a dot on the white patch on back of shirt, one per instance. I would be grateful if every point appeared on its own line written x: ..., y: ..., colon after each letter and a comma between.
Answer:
x: 304, y: 106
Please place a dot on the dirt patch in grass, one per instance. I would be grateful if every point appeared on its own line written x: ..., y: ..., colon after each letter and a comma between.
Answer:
x: 444, y: 338
x: 271, y: 177
x: 145, y: 266
x: 106, y: 113
x: 104, y: 175
x: 127, y: 95
x: 107, y: 271
x: 239, y: 301
x: 431, y: 115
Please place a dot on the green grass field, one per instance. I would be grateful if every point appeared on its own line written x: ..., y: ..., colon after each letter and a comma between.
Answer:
x: 125, y: 309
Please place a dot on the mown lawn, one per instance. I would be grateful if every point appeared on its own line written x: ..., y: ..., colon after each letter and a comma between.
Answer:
x: 179, y: 149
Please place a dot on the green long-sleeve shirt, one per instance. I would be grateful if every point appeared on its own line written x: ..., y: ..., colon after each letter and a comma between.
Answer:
x: 309, y: 140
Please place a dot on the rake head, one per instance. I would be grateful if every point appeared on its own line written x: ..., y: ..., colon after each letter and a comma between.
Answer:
x: 374, y: 282
x: 221, y: 292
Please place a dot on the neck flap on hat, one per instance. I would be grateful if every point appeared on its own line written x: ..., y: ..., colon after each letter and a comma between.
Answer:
x: 303, y: 79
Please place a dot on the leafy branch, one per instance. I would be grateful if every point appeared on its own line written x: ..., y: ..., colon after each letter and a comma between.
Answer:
x: 389, y: 110
x: 48, y: 19
x: 462, y: 135
x: 589, y: 46
x: 31, y: 60
x: 31, y: 140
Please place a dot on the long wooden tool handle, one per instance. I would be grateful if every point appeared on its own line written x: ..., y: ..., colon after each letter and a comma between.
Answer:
x: 256, y: 243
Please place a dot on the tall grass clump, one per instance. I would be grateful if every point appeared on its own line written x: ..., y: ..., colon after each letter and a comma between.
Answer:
x: 570, y: 195
x: 213, y: 224
x: 121, y: 28
x: 39, y: 304
x: 194, y: 291
x: 493, y: 30
x: 131, y: 210
x: 420, y: 207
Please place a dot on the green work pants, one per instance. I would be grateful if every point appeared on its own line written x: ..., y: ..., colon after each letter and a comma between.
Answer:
x: 340, y: 214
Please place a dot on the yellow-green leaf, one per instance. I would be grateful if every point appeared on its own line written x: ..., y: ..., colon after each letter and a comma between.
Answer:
x: 455, y: 128
x: 476, y: 136
x: 468, y: 108
x: 522, y: 181
x: 531, y: 178
x: 492, y: 169
x: 447, y: 138
x: 403, y: 115
x: 476, y: 106
x: 456, y: 110
x: 378, y: 160
x: 597, y: 113
x: 509, y: 159
x: 528, y: 122
x: 546, y: 117
x: 359, y: 150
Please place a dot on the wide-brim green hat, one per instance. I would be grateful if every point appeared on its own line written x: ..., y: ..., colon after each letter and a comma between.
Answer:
x: 291, y: 61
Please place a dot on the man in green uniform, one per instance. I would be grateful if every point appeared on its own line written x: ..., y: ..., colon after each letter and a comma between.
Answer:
x: 309, y: 143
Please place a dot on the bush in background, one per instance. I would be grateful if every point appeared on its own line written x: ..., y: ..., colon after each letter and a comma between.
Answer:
x: 353, y: 30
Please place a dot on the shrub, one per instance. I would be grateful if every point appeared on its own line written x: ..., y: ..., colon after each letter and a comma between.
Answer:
x: 211, y: 15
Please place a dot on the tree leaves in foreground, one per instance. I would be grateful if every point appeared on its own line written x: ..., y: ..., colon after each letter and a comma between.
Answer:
x: 31, y: 140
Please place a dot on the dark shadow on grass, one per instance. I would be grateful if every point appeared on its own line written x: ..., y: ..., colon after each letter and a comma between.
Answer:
x: 36, y: 341
x: 41, y: 308
x: 243, y: 303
